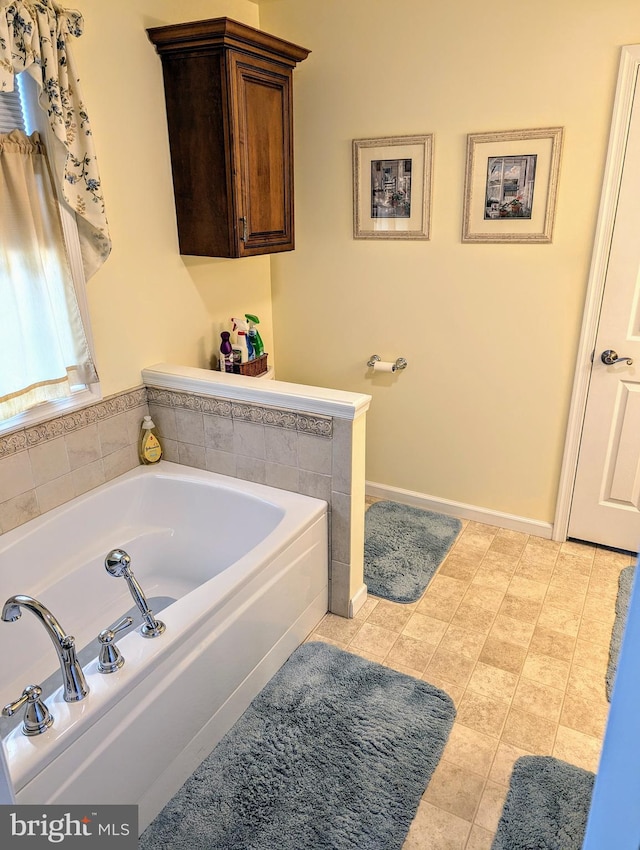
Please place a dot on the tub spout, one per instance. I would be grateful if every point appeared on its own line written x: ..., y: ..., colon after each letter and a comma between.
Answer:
x: 73, y: 680
x: 118, y: 563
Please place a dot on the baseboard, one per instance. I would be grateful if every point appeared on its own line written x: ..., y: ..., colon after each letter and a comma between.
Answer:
x: 461, y: 510
x: 357, y: 600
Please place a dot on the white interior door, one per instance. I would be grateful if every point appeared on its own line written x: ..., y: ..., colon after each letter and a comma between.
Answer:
x: 605, y: 506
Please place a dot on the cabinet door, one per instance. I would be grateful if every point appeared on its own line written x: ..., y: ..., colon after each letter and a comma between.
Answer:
x: 263, y: 156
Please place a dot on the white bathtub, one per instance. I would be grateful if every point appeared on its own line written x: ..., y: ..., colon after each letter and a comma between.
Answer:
x: 237, y: 571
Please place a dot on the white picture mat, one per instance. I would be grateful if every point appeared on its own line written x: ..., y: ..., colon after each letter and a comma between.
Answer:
x: 419, y: 149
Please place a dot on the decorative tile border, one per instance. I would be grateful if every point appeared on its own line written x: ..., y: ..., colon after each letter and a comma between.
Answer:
x: 34, y: 435
x: 320, y: 426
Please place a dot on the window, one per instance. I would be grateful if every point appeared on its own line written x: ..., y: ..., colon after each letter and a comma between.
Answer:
x: 19, y: 110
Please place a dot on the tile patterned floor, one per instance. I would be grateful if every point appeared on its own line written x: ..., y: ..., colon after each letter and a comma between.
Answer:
x: 516, y: 630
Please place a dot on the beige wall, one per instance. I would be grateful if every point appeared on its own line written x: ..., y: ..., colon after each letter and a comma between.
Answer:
x: 490, y: 331
x: 149, y: 304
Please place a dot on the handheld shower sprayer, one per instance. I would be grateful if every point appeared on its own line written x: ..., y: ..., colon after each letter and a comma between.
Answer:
x: 118, y: 563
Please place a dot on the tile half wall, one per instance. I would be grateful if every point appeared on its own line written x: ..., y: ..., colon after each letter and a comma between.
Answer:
x: 322, y: 456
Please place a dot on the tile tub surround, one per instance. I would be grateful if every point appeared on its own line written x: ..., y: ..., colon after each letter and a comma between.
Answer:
x: 44, y: 465
x: 307, y: 439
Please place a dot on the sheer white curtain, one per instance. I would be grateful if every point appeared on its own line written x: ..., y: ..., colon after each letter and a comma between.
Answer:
x: 43, y: 347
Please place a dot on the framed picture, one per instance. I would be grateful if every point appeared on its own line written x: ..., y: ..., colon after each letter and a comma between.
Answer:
x: 392, y: 187
x: 511, y: 185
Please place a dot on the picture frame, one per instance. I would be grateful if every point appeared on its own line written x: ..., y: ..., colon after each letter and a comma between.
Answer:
x: 511, y: 185
x: 392, y: 187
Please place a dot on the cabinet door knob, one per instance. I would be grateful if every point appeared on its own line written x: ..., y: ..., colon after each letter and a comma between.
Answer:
x: 243, y: 219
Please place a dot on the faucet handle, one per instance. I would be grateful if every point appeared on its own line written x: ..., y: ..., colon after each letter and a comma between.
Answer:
x: 110, y: 658
x: 37, y: 717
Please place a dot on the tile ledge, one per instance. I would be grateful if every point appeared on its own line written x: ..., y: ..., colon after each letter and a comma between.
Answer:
x: 330, y: 402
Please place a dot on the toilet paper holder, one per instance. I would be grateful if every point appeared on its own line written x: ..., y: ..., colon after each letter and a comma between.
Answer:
x: 400, y: 363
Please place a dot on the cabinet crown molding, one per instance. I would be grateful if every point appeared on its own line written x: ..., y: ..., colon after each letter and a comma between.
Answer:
x: 224, y: 32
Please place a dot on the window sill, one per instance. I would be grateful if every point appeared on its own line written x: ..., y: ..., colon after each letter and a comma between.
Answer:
x: 51, y: 410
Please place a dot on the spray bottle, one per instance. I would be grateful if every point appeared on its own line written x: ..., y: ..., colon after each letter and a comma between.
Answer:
x: 242, y: 340
x: 226, y: 353
x: 253, y: 335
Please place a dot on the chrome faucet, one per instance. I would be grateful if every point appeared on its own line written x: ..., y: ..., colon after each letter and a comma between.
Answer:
x: 118, y: 563
x: 75, y: 685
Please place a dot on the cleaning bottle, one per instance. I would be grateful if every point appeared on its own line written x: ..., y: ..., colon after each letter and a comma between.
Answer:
x: 150, y: 450
x: 254, y: 336
x: 226, y: 353
x: 242, y: 340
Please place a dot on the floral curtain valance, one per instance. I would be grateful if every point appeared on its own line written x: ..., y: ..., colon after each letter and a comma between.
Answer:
x: 34, y: 37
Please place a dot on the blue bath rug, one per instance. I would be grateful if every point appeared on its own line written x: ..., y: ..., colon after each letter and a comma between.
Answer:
x: 625, y: 583
x: 403, y: 547
x: 546, y: 807
x: 333, y: 754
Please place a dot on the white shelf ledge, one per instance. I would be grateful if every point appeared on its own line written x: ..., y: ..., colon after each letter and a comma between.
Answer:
x: 328, y: 402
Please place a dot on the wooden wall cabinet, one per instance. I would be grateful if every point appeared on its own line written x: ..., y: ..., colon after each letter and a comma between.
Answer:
x: 228, y: 91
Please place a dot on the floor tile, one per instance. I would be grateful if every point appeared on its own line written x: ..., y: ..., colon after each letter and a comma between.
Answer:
x: 497, y: 560
x: 315, y: 636
x: 504, y: 655
x: 473, y: 617
x: 369, y: 604
x: 532, y: 733
x: 595, y: 609
x: 492, y: 577
x: 513, y: 631
x: 484, y: 597
x: 465, y: 642
x: 533, y: 567
x: 435, y: 829
x: 547, y: 670
x: 508, y: 542
x: 482, y: 713
x: 505, y: 757
x: 584, y: 715
x: 460, y: 567
x: 338, y: 628
x: 527, y: 588
x: 455, y: 790
x: 437, y: 607
x: 389, y: 616
x: 470, y: 750
x: 491, y: 805
x: 516, y: 629
x: 438, y: 681
x: 595, y: 631
x: 565, y: 579
x: 452, y: 667
x: 561, y: 597
x: 559, y: 620
x: 577, y: 748
x: 411, y: 653
x: 372, y: 638
x: 493, y: 682
x: 363, y: 652
x: 400, y: 668
x: 555, y: 644
x: 586, y: 683
x: 520, y: 608
x: 591, y: 655
x: 423, y: 627
x: 538, y: 699
x: 479, y: 839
